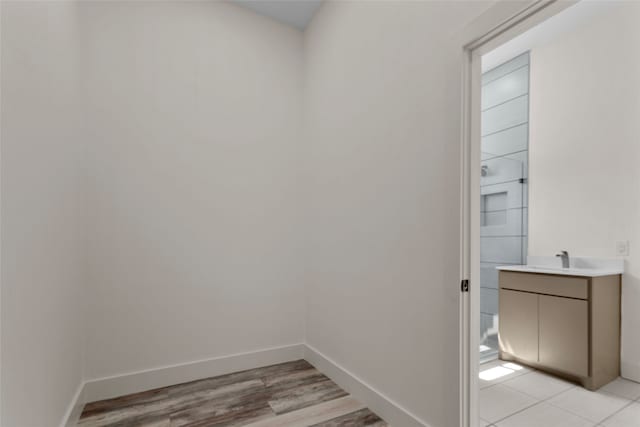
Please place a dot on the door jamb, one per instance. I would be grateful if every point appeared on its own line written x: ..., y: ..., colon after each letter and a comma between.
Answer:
x: 497, y: 25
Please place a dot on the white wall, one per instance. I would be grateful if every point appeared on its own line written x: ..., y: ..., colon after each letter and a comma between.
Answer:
x: 43, y: 274
x: 195, y: 170
x: 194, y: 122
x: 382, y: 120
x: 585, y: 152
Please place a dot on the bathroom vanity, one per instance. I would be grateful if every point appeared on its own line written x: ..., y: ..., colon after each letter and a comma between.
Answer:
x: 564, y: 321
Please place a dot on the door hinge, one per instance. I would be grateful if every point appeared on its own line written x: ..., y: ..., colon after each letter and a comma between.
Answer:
x: 464, y: 285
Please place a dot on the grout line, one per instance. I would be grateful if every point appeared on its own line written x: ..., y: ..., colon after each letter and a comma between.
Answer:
x: 498, y: 156
x: 570, y: 412
x: 503, y: 263
x: 558, y: 394
x: 504, y: 102
x: 549, y: 398
x: 586, y: 419
x: 519, y: 411
x: 505, y: 129
x: 616, y: 412
x: 504, y: 182
x: 502, y: 210
x: 526, y: 53
x: 539, y: 401
x: 506, y: 235
x: 537, y: 398
x: 503, y: 75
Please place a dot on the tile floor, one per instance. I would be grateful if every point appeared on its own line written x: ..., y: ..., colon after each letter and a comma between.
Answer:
x: 512, y: 395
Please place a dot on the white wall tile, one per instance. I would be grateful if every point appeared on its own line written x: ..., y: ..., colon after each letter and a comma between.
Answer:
x: 501, y: 249
x: 493, y: 201
x: 512, y: 225
x: 489, y: 275
x: 505, y: 88
x: 506, y: 68
x: 512, y: 113
x: 488, y: 325
x: 504, y: 153
x: 485, y: 156
x: 493, y: 219
x: 508, y: 141
x: 488, y: 301
x: 502, y: 169
x: 514, y: 190
x: 522, y: 157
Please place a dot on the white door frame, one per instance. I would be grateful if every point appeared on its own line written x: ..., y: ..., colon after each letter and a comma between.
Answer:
x: 497, y: 25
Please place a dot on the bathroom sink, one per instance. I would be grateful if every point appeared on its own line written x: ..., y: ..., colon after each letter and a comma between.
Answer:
x: 546, y: 267
x: 585, y: 267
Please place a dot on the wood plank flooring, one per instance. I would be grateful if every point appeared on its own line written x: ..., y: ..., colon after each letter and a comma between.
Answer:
x: 292, y: 394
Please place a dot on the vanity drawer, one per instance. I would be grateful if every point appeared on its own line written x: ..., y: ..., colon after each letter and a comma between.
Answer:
x: 562, y: 286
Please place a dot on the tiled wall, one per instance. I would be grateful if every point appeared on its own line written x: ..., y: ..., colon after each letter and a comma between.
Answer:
x: 505, y: 143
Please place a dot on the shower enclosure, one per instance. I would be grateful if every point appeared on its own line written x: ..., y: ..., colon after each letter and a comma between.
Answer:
x: 504, y: 186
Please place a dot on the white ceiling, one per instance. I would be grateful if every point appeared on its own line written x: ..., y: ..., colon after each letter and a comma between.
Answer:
x: 566, y: 21
x: 297, y: 13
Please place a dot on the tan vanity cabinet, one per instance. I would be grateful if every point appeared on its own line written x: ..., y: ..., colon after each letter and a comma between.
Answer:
x: 519, y: 324
x: 566, y: 325
x: 564, y: 334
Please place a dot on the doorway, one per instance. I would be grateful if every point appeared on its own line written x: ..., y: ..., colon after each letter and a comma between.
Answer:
x: 496, y: 185
x: 574, y: 163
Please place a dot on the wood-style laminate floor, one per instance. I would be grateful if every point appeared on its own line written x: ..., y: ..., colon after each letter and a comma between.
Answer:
x: 292, y: 394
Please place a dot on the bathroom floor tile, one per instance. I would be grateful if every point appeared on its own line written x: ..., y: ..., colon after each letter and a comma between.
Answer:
x: 628, y: 417
x: 592, y: 405
x: 623, y: 388
x: 539, y: 385
x: 498, y: 402
x: 544, y: 415
x: 499, y: 371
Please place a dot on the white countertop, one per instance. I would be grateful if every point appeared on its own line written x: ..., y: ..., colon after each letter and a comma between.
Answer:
x: 579, y: 266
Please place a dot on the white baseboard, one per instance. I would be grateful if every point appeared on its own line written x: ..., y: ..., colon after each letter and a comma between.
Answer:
x: 390, y: 411
x: 630, y: 371
x: 105, y: 388
x: 72, y: 415
x: 134, y: 382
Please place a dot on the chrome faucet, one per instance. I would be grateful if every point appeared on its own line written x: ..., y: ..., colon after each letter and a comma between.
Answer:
x: 565, y: 258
